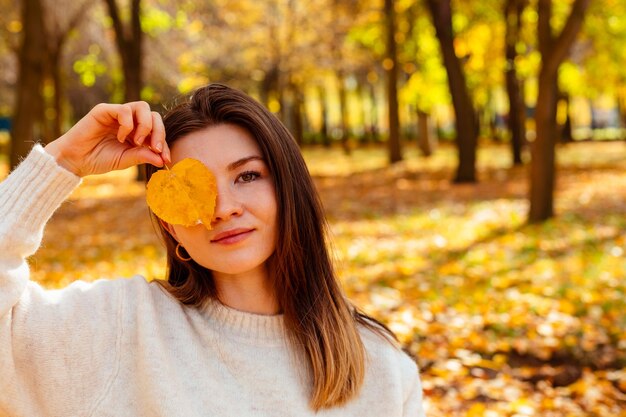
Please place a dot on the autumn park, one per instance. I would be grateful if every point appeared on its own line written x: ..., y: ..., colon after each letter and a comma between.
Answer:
x: 470, y: 156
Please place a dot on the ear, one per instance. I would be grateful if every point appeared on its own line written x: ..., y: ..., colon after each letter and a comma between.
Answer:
x: 170, y: 229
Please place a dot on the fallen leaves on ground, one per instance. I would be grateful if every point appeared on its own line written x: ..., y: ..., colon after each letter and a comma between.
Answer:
x: 504, y: 319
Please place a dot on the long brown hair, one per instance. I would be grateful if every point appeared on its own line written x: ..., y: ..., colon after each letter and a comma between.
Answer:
x: 321, y: 323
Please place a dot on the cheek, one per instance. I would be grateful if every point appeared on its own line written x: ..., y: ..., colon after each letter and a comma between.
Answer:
x: 267, y: 207
x: 188, y: 236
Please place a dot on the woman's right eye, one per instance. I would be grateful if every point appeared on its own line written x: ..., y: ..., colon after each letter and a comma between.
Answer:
x: 248, y: 176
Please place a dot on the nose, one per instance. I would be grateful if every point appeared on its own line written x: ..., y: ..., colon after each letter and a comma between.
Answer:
x: 227, y: 204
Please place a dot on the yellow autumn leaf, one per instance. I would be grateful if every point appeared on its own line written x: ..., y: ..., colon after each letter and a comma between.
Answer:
x: 183, y: 195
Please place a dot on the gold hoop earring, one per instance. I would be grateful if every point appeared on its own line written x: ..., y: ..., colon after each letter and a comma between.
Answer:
x: 178, y: 255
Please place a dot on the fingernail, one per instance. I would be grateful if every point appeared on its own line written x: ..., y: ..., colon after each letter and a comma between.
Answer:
x: 140, y: 140
x: 159, y: 147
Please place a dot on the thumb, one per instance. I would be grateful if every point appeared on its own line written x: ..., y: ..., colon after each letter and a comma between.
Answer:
x: 140, y: 155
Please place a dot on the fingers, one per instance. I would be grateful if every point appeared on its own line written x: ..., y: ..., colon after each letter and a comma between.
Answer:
x: 140, y: 128
x: 157, y: 138
x: 131, y: 117
x: 143, y: 121
x: 148, y: 127
x: 139, y: 155
x: 149, y: 132
x: 124, y: 115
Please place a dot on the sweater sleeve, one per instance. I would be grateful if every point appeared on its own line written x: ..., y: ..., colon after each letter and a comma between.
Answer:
x: 57, y: 348
x: 28, y: 197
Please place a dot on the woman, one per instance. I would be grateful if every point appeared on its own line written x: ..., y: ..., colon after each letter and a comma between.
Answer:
x: 250, y: 321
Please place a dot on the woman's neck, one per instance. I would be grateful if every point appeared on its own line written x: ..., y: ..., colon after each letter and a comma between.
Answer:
x: 250, y: 291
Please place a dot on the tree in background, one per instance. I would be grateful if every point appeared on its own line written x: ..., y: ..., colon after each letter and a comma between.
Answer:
x: 287, y: 59
x: 391, y: 67
x: 61, y: 20
x: 513, y: 10
x: 465, y: 117
x: 284, y: 57
x: 344, y: 15
x: 426, y: 89
x: 600, y: 70
x: 128, y: 38
x: 10, y: 41
x: 479, y: 39
x: 27, y: 115
x: 426, y: 86
x: 367, y: 46
x: 553, y: 50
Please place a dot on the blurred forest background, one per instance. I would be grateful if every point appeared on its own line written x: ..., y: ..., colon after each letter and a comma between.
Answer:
x: 470, y: 154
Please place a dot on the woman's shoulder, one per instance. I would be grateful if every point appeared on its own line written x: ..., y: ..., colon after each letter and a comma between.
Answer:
x: 97, y: 307
x: 391, y: 372
x: 379, y: 342
x: 96, y: 287
x: 94, y: 294
x: 386, y: 356
x: 55, y: 318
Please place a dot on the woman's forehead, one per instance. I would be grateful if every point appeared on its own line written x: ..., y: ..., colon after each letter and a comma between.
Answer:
x: 216, y: 146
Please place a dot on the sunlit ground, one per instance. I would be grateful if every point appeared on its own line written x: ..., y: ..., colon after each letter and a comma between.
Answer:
x: 504, y: 319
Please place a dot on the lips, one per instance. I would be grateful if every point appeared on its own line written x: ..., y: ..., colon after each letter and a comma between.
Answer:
x: 230, y: 235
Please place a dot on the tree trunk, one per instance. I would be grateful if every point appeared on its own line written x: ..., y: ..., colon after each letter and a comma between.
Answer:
x: 486, y: 125
x: 490, y: 116
x: 553, y: 52
x: 132, y: 79
x: 516, y: 116
x: 128, y: 41
x: 566, y: 135
x: 522, y: 114
x: 466, y: 123
x: 56, y: 37
x: 621, y: 110
x: 395, y: 151
x: 513, y: 18
x: 324, y: 115
x: 57, y: 99
x: 542, y: 169
x: 29, y: 98
x: 296, y: 115
x: 621, y: 106
x: 374, y: 114
x: 268, y: 85
x: 343, y: 110
x: 133, y: 56
x: 424, y: 140
x: 362, y: 95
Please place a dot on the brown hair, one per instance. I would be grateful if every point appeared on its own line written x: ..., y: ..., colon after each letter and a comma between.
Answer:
x: 321, y: 323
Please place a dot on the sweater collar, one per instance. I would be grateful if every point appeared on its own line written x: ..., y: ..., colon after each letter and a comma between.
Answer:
x: 244, y: 324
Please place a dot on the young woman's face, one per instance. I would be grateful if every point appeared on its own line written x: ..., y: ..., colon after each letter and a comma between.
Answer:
x: 244, y: 224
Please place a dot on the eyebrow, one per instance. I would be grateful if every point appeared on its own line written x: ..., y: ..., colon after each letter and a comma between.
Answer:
x: 243, y: 161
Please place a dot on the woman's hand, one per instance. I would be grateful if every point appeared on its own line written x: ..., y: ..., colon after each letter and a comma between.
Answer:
x: 111, y: 137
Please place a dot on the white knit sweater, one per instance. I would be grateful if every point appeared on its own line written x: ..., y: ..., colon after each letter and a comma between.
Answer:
x: 126, y: 348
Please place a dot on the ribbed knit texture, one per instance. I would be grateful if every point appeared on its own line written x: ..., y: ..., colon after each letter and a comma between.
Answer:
x: 127, y: 348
